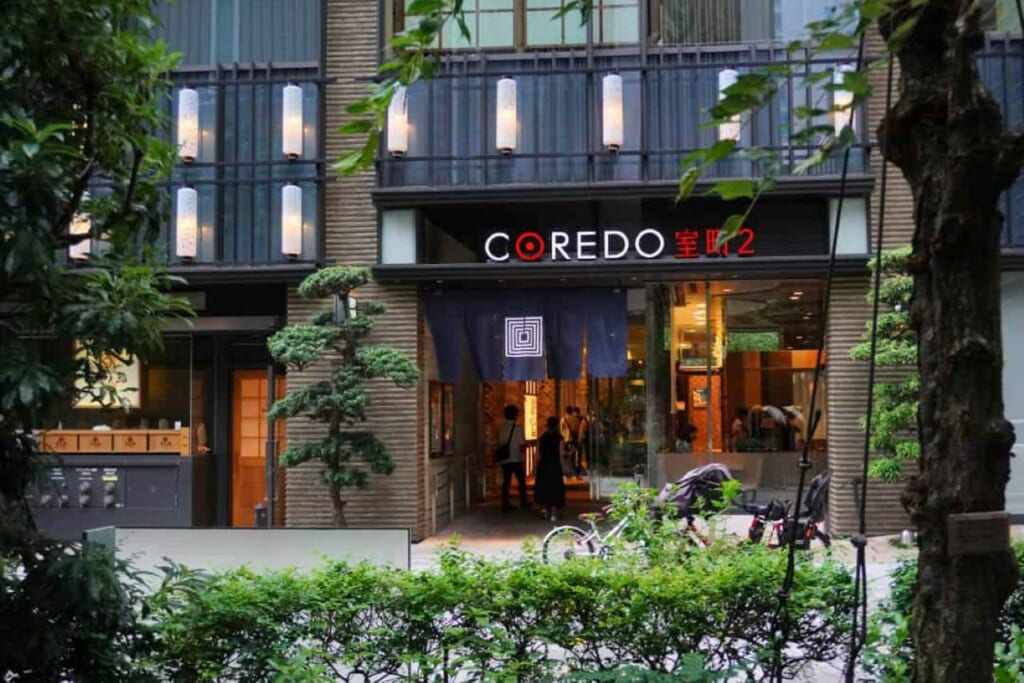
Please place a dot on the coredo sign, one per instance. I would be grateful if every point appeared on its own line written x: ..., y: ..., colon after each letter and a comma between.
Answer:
x: 615, y: 245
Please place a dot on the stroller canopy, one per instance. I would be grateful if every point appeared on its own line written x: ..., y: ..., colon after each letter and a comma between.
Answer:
x: 696, y: 491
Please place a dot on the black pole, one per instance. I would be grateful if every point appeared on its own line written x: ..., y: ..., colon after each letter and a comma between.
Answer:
x: 270, y: 447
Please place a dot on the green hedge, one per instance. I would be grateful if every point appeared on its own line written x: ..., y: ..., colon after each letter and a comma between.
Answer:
x: 890, y: 651
x: 704, y: 616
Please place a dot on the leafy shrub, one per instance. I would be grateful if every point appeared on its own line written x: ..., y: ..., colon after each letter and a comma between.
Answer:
x: 700, y: 618
x: 890, y: 651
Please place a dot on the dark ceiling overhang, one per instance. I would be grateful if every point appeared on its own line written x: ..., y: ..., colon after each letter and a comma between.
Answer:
x: 622, y: 273
x: 857, y: 185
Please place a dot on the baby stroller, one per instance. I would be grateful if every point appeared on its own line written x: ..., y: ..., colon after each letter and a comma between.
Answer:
x: 699, y: 491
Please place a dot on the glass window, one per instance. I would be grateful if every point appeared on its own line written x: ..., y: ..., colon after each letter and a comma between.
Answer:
x: 220, y: 31
x: 617, y: 22
x: 686, y: 22
x: 543, y: 28
x: 532, y: 23
x: 1000, y: 15
x: 491, y: 24
x: 754, y: 343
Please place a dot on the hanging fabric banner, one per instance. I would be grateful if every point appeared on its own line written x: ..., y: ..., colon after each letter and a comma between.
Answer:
x: 524, y: 335
x: 483, y: 325
x: 607, y: 334
x: 524, y: 347
x: 445, y: 317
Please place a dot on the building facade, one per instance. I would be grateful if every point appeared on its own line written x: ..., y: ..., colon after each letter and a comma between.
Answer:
x: 522, y: 230
x: 569, y: 233
x: 245, y: 217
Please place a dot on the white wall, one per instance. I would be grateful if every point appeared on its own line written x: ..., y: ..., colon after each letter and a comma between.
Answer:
x: 1013, y: 382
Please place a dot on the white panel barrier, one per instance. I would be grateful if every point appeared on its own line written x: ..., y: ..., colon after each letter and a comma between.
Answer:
x: 267, y: 549
x: 1013, y: 383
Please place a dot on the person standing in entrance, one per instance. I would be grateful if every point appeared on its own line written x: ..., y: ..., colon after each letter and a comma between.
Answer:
x: 582, y: 425
x: 510, y: 436
x: 569, y: 429
x: 549, y: 486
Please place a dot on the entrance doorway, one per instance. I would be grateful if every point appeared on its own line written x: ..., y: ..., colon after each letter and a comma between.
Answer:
x: 249, y: 432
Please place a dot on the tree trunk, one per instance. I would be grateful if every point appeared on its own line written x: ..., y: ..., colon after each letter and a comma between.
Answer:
x: 945, y: 133
x: 337, y: 505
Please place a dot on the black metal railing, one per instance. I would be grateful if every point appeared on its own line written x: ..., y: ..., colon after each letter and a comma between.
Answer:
x: 1001, y: 64
x: 667, y: 92
x: 240, y: 168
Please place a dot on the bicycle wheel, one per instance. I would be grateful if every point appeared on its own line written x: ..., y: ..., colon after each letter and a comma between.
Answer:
x: 566, y: 542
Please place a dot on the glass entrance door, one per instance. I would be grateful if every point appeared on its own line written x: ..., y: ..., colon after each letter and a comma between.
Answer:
x: 617, y: 412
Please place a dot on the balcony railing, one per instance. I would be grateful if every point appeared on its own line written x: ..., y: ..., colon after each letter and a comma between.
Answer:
x: 240, y: 168
x: 1001, y: 65
x: 667, y: 93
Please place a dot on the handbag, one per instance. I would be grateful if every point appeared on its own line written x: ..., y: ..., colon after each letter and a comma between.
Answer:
x: 502, y: 453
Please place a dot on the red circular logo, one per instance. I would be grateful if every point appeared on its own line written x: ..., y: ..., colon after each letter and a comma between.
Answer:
x: 530, y: 246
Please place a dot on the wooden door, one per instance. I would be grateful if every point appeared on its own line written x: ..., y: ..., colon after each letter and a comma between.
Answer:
x: 248, y: 441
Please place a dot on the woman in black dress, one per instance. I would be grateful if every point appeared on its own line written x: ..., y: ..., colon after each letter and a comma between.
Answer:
x: 549, y: 484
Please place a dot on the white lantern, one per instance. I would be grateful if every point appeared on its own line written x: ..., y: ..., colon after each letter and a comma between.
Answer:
x: 506, y: 124
x: 81, y: 224
x: 611, y: 111
x: 842, y: 99
x: 291, y: 221
x: 186, y: 224
x: 188, y: 124
x: 729, y: 130
x: 291, y: 121
x: 398, y: 123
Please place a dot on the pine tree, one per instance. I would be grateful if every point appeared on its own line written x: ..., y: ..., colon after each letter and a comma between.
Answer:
x: 348, y: 454
x: 894, y: 416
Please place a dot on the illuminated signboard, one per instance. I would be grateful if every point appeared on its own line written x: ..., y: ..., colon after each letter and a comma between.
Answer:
x: 614, y: 245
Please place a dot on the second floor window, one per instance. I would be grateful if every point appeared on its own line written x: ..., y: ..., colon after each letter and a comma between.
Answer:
x: 532, y: 24
x: 516, y: 24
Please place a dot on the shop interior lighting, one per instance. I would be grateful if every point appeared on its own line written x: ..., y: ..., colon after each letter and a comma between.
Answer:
x: 188, y: 124
x: 291, y: 121
x: 611, y: 112
x: 842, y: 99
x: 730, y: 130
x: 291, y: 221
x: 186, y: 224
x: 506, y: 122
x: 398, y: 123
x: 81, y: 224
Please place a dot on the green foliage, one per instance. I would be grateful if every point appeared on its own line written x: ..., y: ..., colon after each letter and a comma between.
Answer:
x: 335, y: 281
x: 738, y: 342
x: 894, y: 416
x: 696, y: 617
x: 347, y: 454
x: 68, y: 614
x: 81, y: 95
x: 889, y: 654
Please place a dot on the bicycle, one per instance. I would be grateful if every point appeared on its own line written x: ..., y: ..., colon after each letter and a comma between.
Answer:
x: 568, y: 541
x: 777, y: 514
